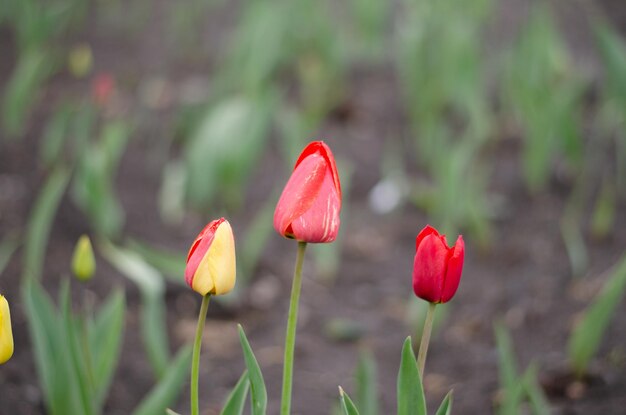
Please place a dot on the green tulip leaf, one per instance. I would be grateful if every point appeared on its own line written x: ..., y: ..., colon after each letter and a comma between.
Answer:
x: 105, y: 336
x: 40, y: 222
x: 367, y: 394
x: 446, y: 405
x: 152, y: 288
x: 347, y: 405
x: 411, y: 400
x: 167, y: 390
x: 587, y: 335
x: 236, y: 401
x: 257, y: 384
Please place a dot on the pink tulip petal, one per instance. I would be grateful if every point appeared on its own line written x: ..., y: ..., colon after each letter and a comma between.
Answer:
x: 429, y: 267
x: 299, y: 192
x: 453, y: 273
x: 320, y: 223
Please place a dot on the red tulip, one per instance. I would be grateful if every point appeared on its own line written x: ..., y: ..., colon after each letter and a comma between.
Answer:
x: 211, y: 266
x: 308, y: 209
x: 437, y: 267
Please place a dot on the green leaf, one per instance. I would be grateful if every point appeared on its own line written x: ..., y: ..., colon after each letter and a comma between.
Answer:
x: 257, y: 384
x: 78, y: 358
x: 40, y: 222
x: 166, y: 392
x: 446, y: 405
x: 171, y: 264
x: 8, y: 246
x: 223, y: 151
x: 236, y: 401
x: 170, y: 412
x: 31, y: 70
x: 55, y: 135
x: 513, y: 390
x: 537, y: 397
x: 367, y: 393
x: 105, y: 339
x: 346, y: 403
x: 587, y: 335
x: 51, y: 354
x: 152, y: 288
x: 411, y: 400
x: 256, y: 237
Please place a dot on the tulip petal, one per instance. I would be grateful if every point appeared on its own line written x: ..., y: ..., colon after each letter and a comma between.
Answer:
x: 6, y: 334
x: 299, y: 192
x: 321, y: 148
x: 320, y: 223
x: 453, y: 273
x: 429, y: 268
x: 199, y: 248
x: 428, y: 230
x: 217, y: 271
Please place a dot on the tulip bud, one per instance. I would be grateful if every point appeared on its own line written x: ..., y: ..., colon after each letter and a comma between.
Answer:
x: 211, y: 267
x: 308, y: 209
x: 437, y: 267
x: 83, y: 260
x: 6, y: 335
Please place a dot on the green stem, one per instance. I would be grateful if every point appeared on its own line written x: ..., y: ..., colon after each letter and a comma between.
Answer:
x: 290, y: 337
x: 195, y: 361
x: 85, y: 342
x: 428, y: 328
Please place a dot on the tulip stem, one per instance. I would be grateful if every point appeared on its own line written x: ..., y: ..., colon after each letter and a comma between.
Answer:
x: 195, y: 362
x: 290, y: 337
x: 428, y: 328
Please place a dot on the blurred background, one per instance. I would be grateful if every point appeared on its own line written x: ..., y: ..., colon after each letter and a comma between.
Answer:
x: 138, y: 121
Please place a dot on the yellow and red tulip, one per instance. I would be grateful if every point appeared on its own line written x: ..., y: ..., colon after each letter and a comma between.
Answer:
x: 308, y: 209
x: 437, y: 268
x: 211, y: 264
x: 6, y: 335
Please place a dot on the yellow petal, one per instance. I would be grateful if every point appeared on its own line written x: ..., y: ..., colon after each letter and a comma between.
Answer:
x: 6, y: 335
x: 216, y: 273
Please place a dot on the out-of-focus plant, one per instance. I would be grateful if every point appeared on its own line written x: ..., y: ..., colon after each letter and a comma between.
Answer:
x: 544, y: 94
x: 221, y: 154
x: 440, y: 66
x: 152, y: 314
x: 75, y: 354
x: 591, y: 327
x: 612, y: 114
x: 370, y: 21
x: 93, y: 187
x: 36, y: 24
x: 517, y: 389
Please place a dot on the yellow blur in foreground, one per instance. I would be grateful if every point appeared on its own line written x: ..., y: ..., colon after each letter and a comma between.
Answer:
x: 6, y: 335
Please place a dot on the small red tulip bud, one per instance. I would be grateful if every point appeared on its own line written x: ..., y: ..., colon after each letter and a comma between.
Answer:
x: 437, y: 267
x: 308, y: 209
